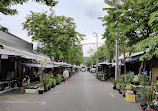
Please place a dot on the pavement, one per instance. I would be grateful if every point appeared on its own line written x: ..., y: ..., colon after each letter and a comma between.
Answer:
x: 82, y: 92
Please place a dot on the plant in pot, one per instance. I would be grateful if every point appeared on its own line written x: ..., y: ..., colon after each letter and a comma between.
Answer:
x: 58, y: 79
x: 118, y: 85
x: 131, y: 76
x: 114, y: 83
x: 142, y: 91
x: 150, y: 98
x: 53, y: 82
x: 136, y: 80
x: 129, y: 89
x: 46, y: 83
x: 155, y: 96
x: 123, y: 84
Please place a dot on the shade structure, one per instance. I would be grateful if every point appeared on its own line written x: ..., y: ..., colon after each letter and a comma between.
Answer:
x: 5, y: 52
x: 104, y: 63
x: 39, y: 65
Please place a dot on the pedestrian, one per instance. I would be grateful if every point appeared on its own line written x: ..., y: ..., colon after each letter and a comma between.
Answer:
x: 25, y: 81
x: 66, y: 75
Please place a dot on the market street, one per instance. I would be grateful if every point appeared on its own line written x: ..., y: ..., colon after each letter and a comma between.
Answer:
x: 83, y: 92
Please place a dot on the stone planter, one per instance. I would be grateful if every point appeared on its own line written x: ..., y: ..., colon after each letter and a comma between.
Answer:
x: 31, y: 90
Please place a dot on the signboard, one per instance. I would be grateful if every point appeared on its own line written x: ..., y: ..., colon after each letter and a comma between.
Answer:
x: 4, y: 56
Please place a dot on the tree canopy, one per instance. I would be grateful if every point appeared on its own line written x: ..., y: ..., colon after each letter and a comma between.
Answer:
x: 5, y: 5
x: 57, y: 34
x: 130, y: 22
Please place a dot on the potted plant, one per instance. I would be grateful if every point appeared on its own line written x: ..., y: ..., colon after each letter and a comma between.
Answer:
x: 118, y: 85
x: 136, y: 80
x: 114, y: 83
x: 46, y: 83
x: 58, y: 79
x: 150, y: 98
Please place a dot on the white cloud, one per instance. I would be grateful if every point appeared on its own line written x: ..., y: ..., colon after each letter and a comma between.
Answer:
x: 91, y: 9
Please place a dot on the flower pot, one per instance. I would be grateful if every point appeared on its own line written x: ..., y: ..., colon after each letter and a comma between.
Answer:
x: 136, y: 83
x: 124, y: 95
x: 150, y: 109
x: 143, y: 105
x: 135, y: 92
x: 114, y: 87
x: 132, y: 83
x: 52, y: 86
x: 45, y: 90
x: 142, y: 108
x: 156, y: 108
x: 41, y: 91
x: 120, y: 92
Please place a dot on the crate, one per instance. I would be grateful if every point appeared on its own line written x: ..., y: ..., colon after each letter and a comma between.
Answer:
x: 130, y: 97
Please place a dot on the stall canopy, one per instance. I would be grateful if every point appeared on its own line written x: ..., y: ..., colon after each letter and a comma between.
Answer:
x: 104, y: 63
x: 39, y: 65
x: 5, y: 52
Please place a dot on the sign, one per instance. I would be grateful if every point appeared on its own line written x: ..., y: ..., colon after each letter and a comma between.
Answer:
x: 4, y: 56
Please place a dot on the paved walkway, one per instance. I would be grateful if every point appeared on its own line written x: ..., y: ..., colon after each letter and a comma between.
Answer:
x: 83, y: 92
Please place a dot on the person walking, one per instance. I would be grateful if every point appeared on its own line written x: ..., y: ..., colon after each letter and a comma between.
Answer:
x: 66, y: 75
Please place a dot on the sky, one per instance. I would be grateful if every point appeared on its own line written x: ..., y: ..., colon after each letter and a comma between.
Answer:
x: 84, y: 12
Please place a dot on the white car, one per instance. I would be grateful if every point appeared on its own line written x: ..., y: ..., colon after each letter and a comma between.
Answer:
x: 83, y: 69
x: 92, y: 70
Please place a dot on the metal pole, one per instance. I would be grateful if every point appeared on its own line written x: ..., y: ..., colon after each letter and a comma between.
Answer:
x: 45, y: 70
x: 116, y: 61
x: 97, y: 50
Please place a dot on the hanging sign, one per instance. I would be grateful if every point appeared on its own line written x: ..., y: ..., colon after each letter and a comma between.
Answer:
x: 4, y: 56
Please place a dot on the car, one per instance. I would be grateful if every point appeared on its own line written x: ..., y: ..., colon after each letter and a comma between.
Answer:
x: 92, y: 70
x: 83, y: 69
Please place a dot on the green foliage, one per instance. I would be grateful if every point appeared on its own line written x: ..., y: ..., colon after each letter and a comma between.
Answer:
x: 144, y: 80
x: 130, y: 22
x: 6, y: 4
x: 57, y: 35
x: 128, y: 87
x: 142, y: 91
x: 4, y: 29
x: 135, y: 79
x: 118, y: 84
x: 58, y: 78
x: 89, y: 62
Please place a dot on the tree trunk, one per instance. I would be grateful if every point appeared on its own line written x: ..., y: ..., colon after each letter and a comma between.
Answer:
x: 142, y: 67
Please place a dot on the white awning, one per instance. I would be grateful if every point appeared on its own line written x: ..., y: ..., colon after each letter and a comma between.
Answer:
x: 27, y: 54
x: 39, y: 65
x: 104, y: 63
x: 5, y: 52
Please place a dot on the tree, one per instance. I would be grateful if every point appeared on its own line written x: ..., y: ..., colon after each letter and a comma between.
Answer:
x: 4, y: 29
x: 6, y: 4
x: 57, y: 34
x: 127, y: 21
x: 76, y: 55
x: 150, y: 45
x: 89, y: 62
